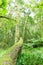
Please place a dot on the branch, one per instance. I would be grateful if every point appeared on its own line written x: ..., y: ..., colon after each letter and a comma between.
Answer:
x: 6, y: 17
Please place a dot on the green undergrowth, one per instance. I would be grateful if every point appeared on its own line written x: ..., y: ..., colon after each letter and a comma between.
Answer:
x: 30, y: 56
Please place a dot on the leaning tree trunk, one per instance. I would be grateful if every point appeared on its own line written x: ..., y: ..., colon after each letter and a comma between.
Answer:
x: 10, y: 57
x: 16, y: 32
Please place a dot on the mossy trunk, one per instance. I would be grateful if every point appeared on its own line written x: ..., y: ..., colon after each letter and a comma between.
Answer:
x: 10, y: 57
x: 17, y: 32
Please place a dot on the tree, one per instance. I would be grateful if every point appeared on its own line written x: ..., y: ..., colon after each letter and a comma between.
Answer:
x: 10, y: 59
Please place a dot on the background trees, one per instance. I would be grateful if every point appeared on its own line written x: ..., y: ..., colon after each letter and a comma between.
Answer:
x: 21, y: 18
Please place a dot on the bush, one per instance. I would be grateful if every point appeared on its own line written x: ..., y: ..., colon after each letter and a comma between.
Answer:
x: 30, y: 56
x: 6, y: 33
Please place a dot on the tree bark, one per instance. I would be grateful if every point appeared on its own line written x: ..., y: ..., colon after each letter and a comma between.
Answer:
x: 10, y: 57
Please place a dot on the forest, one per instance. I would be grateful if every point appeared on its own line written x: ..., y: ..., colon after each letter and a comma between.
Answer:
x: 21, y: 32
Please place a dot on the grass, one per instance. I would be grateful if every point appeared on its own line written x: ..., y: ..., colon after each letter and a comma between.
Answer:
x: 31, y: 56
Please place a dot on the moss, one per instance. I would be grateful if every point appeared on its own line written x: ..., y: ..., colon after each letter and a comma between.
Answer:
x: 6, y: 61
x: 9, y: 58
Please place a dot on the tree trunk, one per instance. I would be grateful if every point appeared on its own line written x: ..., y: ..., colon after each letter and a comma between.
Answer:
x: 10, y: 57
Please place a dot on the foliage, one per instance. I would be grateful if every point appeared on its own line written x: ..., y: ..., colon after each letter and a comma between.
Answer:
x: 30, y: 56
x: 6, y: 33
x: 3, y: 4
x: 22, y: 18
